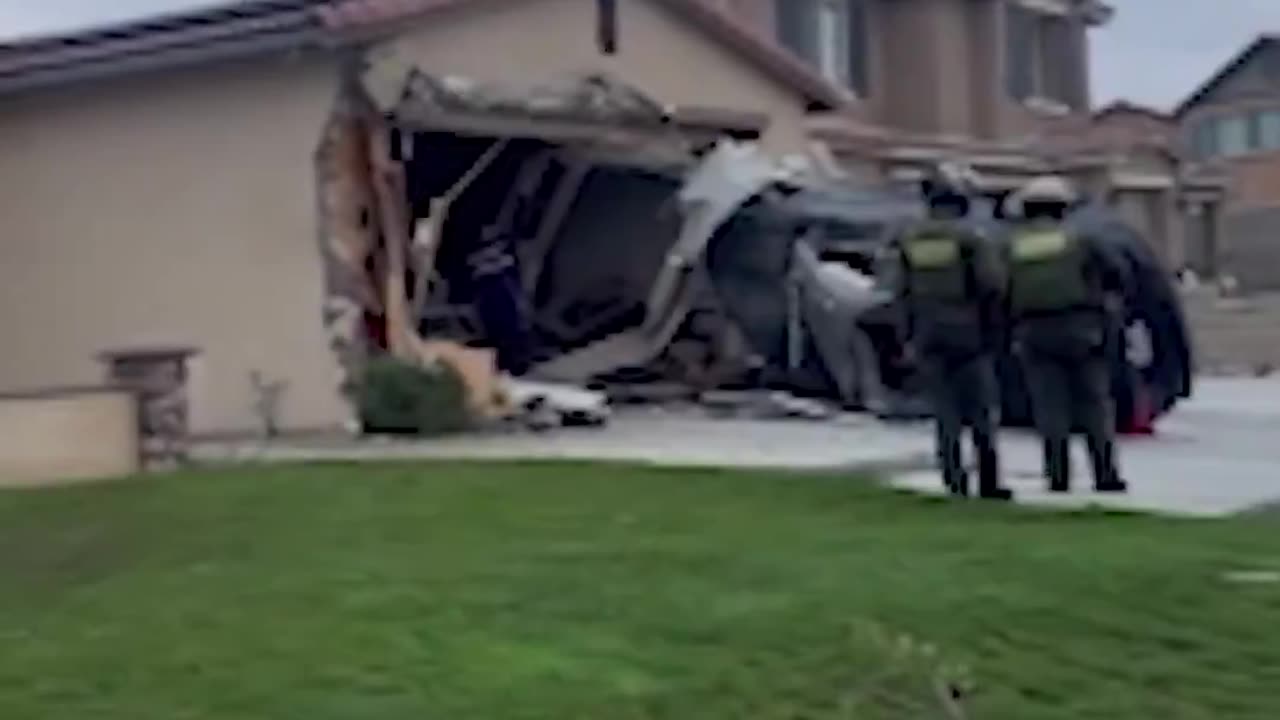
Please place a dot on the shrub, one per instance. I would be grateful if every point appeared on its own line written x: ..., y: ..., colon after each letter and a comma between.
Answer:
x: 898, y: 676
x: 395, y: 397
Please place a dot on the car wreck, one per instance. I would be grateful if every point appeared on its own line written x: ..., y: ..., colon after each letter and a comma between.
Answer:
x: 582, y: 235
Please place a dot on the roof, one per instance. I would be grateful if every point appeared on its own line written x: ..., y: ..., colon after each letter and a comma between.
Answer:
x: 567, y: 106
x: 1126, y: 107
x: 223, y: 32
x: 1237, y: 61
x: 374, y: 16
x: 240, y: 29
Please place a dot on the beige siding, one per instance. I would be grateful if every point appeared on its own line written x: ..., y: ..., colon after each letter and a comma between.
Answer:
x: 173, y: 209
x: 68, y: 436
x: 911, y: 98
x: 543, y: 41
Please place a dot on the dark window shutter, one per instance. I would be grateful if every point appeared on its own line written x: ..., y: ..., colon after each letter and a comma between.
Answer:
x: 1018, y: 65
x: 797, y: 22
x: 1078, y: 86
x: 1059, y: 63
x: 1204, y: 139
x: 859, y: 47
x: 1254, y: 121
x: 607, y: 26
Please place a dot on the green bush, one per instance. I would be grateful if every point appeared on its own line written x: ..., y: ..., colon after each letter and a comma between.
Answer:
x: 399, y: 398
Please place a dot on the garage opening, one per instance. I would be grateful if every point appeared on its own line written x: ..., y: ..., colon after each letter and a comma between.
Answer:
x: 523, y: 229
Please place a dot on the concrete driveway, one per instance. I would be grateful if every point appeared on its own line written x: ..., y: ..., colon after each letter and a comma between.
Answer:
x: 1217, y: 454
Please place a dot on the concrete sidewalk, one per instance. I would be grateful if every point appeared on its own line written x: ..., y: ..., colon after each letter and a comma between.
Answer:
x: 1216, y: 455
x: 649, y: 436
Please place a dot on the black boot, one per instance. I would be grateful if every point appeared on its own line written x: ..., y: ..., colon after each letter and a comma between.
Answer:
x: 957, y: 485
x: 1106, y: 479
x: 989, y: 487
x: 999, y: 493
x: 1112, y: 486
x: 1057, y: 465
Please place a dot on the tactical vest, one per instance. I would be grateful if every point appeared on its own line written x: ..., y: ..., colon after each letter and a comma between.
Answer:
x: 937, y: 266
x: 1047, y: 273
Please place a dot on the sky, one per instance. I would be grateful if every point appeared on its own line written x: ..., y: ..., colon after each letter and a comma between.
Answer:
x: 1153, y: 52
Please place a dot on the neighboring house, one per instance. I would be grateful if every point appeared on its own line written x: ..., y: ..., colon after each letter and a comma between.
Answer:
x: 1233, y: 120
x: 1175, y: 203
x: 1231, y: 123
x: 161, y: 178
x: 1003, y: 85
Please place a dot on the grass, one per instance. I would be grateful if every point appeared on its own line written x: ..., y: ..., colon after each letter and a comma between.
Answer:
x: 574, y: 591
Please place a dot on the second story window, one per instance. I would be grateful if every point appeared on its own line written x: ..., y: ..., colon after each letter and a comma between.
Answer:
x: 1235, y: 134
x: 829, y: 35
x: 1042, y: 59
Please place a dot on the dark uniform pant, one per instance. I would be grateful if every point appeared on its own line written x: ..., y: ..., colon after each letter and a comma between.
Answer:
x: 1070, y: 393
x: 963, y: 393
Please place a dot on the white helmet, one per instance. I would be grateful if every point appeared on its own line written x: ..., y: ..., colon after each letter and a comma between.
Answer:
x: 1047, y: 189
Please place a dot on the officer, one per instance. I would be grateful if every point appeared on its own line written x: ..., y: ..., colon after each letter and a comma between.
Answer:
x: 1062, y: 287
x: 949, y: 291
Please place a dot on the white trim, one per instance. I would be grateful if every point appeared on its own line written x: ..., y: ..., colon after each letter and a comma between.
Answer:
x: 1013, y: 162
x: 1142, y: 181
x: 907, y: 153
x: 906, y: 174
x: 1002, y: 181
x: 1045, y: 106
x: 1047, y: 7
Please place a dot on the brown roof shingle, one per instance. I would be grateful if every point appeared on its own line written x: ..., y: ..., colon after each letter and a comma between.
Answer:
x: 223, y: 32
x: 251, y: 26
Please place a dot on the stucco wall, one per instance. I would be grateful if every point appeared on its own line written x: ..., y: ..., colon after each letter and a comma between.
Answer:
x: 68, y: 435
x: 170, y: 209
x: 658, y: 53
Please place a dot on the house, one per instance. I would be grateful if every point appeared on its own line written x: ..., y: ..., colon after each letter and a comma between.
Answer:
x: 1176, y: 203
x: 980, y: 80
x: 1231, y: 123
x: 170, y: 182
x: 162, y: 177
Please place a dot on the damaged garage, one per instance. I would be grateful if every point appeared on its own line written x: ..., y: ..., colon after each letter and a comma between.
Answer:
x: 523, y: 233
x: 583, y: 234
x: 201, y: 249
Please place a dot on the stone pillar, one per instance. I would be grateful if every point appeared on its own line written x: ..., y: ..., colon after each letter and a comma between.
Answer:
x: 158, y: 376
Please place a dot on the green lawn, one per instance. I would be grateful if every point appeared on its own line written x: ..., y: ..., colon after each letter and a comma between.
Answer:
x: 460, y: 591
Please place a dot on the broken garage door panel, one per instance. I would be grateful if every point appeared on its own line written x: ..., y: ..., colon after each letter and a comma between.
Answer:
x: 591, y: 108
x: 553, y: 220
x: 427, y: 232
x: 726, y: 179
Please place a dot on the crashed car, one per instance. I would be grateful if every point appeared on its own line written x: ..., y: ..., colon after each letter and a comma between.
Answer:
x: 803, y: 274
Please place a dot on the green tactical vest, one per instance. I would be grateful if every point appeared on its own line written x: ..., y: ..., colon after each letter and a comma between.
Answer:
x: 936, y: 264
x: 1047, y: 272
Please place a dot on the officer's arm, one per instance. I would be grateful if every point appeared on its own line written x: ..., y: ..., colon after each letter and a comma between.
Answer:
x: 1112, y: 266
x: 900, y: 287
x: 989, y: 276
x: 987, y: 268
